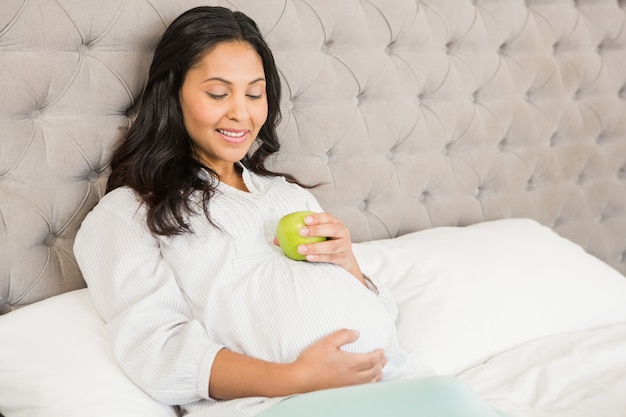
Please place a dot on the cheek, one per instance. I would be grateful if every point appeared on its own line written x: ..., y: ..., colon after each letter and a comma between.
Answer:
x: 199, y: 114
x: 194, y: 104
x: 260, y: 115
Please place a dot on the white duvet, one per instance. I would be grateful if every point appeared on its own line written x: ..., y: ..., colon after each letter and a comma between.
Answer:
x: 580, y: 374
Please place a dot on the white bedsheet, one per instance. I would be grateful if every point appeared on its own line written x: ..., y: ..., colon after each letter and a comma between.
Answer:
x: 580, y: 374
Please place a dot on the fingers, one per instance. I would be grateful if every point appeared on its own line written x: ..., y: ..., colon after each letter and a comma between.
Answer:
x: 326, y: 251
x: 374, y: 360
x: 380, y: 360
x: 342, y: 337
x: 326, y: 365
x: 369, y: 364
x: 368, y: 367
x: 335, y: 249
x: 363, y: 361
x: 326, y: 225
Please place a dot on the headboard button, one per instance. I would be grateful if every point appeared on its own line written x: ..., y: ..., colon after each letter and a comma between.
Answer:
x: 389, y: 48
x: 93, y: 176
x: 578, y: 94
x: 553, y: 140
x: 83, y: 49
x: 326, y: 46
x: 50, y: 239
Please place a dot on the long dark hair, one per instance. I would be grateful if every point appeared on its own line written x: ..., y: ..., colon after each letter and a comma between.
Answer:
x: 156, y: 158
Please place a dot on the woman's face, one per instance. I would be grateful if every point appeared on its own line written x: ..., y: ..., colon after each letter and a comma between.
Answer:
x: 224, y: 104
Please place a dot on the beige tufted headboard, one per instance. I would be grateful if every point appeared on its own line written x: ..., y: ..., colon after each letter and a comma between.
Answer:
x: 416, y: 113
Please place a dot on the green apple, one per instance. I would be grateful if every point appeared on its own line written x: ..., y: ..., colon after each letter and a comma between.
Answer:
x: 288, y: 234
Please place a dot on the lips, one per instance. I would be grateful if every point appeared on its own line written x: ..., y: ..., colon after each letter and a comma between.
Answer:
x: 233, y: 136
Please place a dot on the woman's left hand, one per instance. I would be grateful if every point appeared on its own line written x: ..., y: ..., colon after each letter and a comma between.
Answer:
x: 337, y: 249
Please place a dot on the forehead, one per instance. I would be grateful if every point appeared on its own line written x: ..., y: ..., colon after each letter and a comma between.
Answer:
x: 229, y: 57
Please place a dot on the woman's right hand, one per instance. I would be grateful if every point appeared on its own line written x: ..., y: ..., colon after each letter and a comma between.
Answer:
x: 325, y: 365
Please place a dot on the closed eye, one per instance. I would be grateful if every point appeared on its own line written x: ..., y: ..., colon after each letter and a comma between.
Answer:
x: 216, y: 96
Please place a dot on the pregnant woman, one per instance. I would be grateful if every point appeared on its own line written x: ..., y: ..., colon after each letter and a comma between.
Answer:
x: 202, y: 308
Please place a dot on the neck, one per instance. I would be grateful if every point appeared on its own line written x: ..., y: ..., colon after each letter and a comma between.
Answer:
x: 233, y: 176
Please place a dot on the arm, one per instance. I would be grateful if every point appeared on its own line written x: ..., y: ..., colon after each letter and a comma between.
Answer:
x: 152, y: 333
x: 323, y: 365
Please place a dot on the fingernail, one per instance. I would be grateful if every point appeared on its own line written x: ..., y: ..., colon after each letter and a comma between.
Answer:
x: 304, y: 231
x: 302, y: 249
x: 308, y: 220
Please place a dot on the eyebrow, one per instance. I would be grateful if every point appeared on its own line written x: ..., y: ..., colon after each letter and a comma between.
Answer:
x: 222, y: 80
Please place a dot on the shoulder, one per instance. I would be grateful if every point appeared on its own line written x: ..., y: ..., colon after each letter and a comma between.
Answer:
x: 118, y: 216
x: 123, y: 201
x: 122, y: 196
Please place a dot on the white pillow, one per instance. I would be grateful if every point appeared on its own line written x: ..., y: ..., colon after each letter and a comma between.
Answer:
x: 466, y: 294
x: 55, y: 361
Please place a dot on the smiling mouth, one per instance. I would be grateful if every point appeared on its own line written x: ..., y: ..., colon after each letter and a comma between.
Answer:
x: 233, y: 136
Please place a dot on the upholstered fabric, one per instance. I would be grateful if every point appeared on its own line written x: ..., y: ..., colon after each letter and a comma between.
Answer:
x: 414, y: 114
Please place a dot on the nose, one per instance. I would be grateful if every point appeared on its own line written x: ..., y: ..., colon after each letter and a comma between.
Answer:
x: 238, y: 109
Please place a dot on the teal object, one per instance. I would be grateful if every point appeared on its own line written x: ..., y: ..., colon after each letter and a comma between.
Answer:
x: 439, y: 396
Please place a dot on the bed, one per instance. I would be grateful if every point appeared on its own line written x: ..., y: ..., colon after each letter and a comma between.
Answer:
x: 476, y: 149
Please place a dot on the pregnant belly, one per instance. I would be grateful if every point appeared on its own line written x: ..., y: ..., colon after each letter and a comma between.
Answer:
x: 281, y: 312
